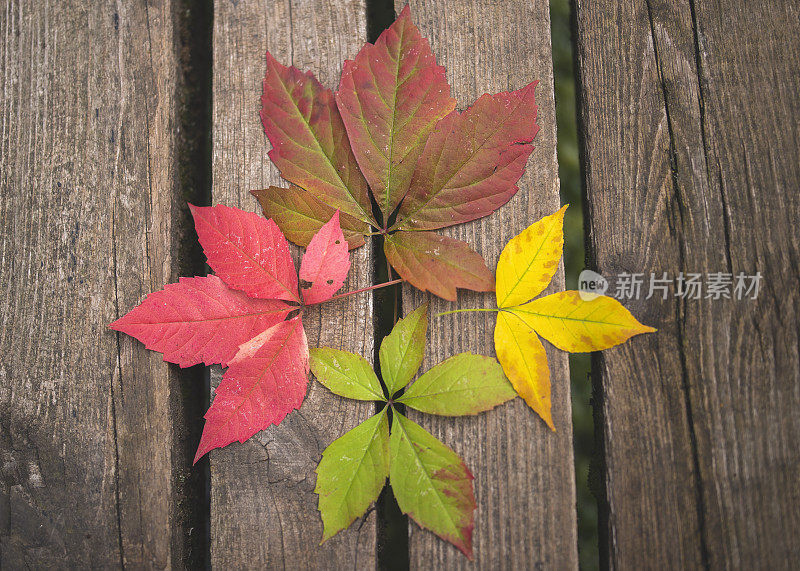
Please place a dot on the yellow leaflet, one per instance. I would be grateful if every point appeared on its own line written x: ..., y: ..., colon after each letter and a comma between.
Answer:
x: 578, y: 326
x: 524, y: 361
x: 530, y: 260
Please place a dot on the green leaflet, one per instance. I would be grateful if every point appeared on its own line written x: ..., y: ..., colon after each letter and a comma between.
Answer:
x: 346, y: 374
x: 352, y: 473
x: 403, y: 349
x: 463, y: 384
x: 431, y: 483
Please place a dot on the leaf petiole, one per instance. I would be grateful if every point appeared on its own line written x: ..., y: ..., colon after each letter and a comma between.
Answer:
x: 495, y: 309
x: 362, y: 290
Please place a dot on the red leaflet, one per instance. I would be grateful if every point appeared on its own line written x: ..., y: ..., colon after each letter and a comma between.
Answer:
x: 325, y: 263
x: 247, y: 251
x: 472, y: 162
x: 309, y: 141
x: 199, y: 320
x: 437, y: 264
x: 265, y: 381
x: 390, y: 98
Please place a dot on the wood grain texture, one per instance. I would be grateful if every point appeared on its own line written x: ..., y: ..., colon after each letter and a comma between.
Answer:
x: 524, y: 476
x: 263, y: 509
x: 91, y: 222
x: 690, y: 146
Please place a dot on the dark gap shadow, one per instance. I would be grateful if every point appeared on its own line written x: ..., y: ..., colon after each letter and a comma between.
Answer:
x: 380, y: 15
x: 387, y: 302
x: 192, y: 37
x: 587, y: 392
x: 392, y: 551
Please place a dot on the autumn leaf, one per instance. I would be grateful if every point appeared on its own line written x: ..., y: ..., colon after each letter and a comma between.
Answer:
x: 523, y: 358
x: 427, y: 164
x: 391, y: 97
x: 529, y: 260
x: 402, y: 351
x: 325, y: 263
x: 200, y: 320
x: 472, y: 162
x: 431, y: 483
x: 346, y: 374
x: 526, y: 265
x: 461, y: 385
x: 437, y: 264
x: 246, y: 251
x: 265, y: 381
x: 309, y: 140
x: 352, y: 473
x: 237, y: 318
x: 300, y: 215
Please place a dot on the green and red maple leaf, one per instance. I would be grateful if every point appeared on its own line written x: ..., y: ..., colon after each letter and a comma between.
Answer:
x: 238, y: 318
x: 392, y: 134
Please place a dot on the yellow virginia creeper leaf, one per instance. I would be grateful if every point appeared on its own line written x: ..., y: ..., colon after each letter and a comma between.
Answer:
x: 530, y: 260
x: 523, y: 359
x: 576, y: 325
x: 527, y: 264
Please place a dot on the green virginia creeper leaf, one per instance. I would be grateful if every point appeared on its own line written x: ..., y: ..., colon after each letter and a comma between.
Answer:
x: 346, y: 374
x: 463, y: 384
x: 403, y: 349
x: 431, y: 483
x: 352, y: 473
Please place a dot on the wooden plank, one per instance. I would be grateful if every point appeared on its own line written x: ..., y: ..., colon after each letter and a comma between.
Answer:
x: 263, y: 509
x: 524, y: 475
x: 91, y: 222
x: 690, y: 146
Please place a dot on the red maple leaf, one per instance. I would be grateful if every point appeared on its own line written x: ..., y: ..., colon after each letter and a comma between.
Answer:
x: 237, y: 318
x: 392, y: 130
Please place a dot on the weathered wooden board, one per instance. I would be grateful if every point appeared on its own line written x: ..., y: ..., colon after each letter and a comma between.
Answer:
x: 263, y: 509
x: 690, y: 142
x: 524, y: 475
x: 90, y: 422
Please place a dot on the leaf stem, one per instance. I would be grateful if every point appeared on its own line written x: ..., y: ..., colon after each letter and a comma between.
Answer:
x: 363, y: 289
x: 466, y: 310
